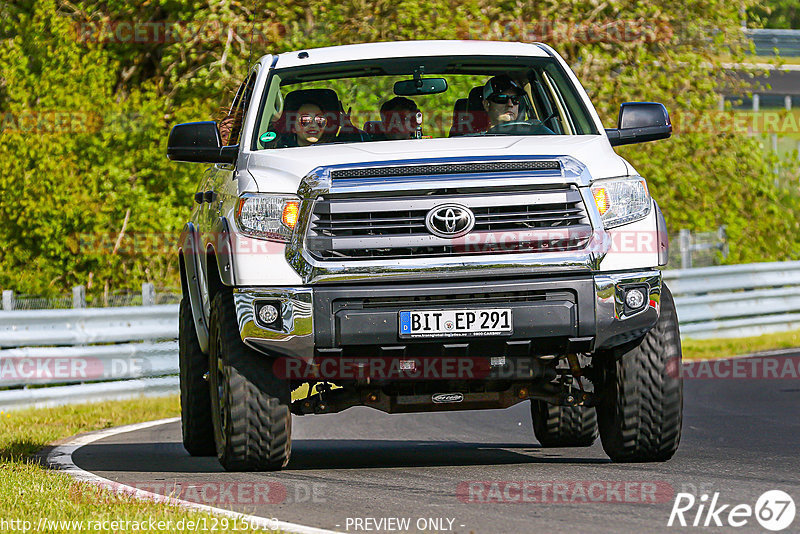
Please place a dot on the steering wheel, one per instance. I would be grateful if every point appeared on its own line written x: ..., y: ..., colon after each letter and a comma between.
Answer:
x: 530, y: 127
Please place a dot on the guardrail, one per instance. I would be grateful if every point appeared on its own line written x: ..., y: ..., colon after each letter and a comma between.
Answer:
x: 98, y: 353
x: 766, y: 41
x: 736, y: 300
x: 130, y: 351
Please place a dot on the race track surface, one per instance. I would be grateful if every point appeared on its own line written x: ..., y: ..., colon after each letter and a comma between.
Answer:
x: 741, y: 437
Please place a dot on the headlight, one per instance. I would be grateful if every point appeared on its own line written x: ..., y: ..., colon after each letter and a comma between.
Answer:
x: 267, y: 216
x: 621, y: 200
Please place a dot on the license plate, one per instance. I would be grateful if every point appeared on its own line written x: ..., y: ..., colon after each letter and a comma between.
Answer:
x: 455, y: 323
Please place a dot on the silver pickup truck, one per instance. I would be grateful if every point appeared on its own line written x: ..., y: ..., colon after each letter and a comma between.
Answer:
x: 423, y: 226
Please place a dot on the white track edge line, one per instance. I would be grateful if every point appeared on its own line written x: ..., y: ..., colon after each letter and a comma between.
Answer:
x: 60, y: 458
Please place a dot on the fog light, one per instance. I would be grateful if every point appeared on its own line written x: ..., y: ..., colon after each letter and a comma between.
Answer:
x: 268, y: 314
x: 634, y: 299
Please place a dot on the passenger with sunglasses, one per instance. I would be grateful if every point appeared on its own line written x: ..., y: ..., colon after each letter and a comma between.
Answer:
x: 307, y: 124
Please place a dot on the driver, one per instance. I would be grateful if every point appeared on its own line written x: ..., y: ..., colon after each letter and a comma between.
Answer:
x: 501, y: 98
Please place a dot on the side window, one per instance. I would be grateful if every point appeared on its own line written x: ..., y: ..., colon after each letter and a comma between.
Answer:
x: 230, y: 128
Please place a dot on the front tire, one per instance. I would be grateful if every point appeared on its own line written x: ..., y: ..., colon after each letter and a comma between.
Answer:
x: 250, y: 405
x: 196, y: 427
x: 640, y: 412
x: 563, y: 426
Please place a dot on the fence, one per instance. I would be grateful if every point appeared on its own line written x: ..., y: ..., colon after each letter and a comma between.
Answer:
x: 148, y: 297
x: 698, y: 249
x: 128, y: 351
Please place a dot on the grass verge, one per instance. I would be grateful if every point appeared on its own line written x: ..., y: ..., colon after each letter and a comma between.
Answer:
x: 701, y: 349
x: 31, y: 494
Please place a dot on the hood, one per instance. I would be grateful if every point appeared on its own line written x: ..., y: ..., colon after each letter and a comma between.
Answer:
x: 280, y: 170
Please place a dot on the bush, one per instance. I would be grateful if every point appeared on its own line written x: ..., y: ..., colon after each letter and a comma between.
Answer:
x: 90, y: 198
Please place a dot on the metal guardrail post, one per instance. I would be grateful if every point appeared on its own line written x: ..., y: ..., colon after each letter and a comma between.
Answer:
x: 787, y: 102
x: 148, y: 294
x: 776, y: 170
x: 756, y: 102
x: 8, y: 299
x: 79, y: 297
x: 685, y: 238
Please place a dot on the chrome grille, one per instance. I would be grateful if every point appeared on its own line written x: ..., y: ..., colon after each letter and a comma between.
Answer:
x: 449, y: 168
x: 547, y: 219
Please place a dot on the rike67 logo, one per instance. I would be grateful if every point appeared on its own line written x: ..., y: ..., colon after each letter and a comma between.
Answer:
x: 774, y: 510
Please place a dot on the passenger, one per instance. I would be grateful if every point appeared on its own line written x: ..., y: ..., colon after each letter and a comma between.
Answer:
x: 501, y: 99
x: 308, y: 125
x: 400, y: 119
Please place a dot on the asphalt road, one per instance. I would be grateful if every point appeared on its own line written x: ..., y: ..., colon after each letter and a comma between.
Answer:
x: 741, y: 438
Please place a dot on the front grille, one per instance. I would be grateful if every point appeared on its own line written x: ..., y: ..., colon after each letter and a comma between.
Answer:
x: 391, y: 227
x: 449, y: 168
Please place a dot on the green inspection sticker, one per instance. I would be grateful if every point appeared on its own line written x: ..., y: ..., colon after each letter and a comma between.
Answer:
x: 266, y: 137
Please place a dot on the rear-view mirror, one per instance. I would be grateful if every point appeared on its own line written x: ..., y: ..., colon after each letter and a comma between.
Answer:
x: 422, y: 86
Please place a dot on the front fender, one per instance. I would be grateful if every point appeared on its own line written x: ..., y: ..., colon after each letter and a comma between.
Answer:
x: 195, y: 281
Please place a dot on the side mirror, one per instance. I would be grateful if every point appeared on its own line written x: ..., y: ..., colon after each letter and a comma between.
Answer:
x: 199, y: 142
x: 640, y: 122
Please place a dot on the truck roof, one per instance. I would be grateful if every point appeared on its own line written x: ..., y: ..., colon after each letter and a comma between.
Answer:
x: 398, y: 49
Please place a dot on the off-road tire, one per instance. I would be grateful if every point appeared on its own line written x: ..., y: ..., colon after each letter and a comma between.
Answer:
x: 640, y: 410
x: 250, y: 405
x: 563, y: 426
x: 196, y: 426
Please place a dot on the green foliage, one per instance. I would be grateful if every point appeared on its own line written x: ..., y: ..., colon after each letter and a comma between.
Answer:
x: 777, y: 14
x: 85, y: 115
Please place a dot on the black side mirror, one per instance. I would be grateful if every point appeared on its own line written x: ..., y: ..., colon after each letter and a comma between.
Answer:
x: 640, y: 122
x: 199, y: 142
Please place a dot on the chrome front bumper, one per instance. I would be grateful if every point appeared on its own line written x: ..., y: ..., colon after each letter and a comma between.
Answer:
x: 605, y: 318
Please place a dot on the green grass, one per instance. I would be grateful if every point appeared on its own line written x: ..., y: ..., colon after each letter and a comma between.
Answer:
x: 701, y: 349
x: 29, y: 492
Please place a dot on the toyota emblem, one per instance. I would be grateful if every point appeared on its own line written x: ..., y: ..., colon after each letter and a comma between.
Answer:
x: 450, y: 220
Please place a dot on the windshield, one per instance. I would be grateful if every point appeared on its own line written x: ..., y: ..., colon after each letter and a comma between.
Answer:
x: 418, y: 98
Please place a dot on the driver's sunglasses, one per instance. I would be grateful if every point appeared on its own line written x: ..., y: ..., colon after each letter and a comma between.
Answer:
x: 305, y: 120
x: 503, y: 99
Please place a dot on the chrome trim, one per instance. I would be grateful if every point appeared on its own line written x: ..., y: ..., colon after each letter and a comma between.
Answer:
x: 319, y: 183
x: 296, y: 336
x: 612, y: 323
